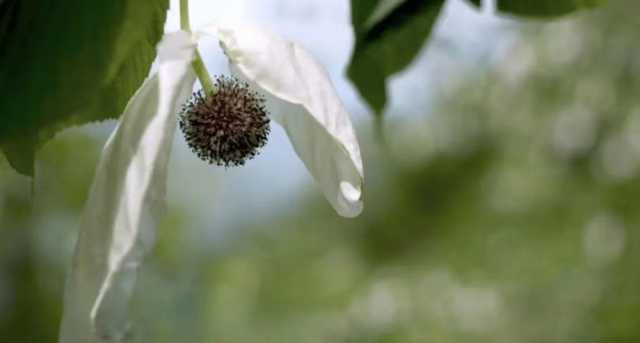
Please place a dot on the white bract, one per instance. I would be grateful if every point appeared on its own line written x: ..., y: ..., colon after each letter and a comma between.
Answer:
x: 127, y: 196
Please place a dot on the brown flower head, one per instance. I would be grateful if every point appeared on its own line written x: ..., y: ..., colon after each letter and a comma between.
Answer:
x: 227, y: 127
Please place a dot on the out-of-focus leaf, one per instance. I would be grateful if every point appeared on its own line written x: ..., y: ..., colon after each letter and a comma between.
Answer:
x: 389, y: 34
x: 543, y: 8
x: 476, y: 2
x: 69, y: 63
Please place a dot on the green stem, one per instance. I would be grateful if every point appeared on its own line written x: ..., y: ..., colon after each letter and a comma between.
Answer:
x: 198, y: 65
x: 185, y: 25
x: 203, y: 74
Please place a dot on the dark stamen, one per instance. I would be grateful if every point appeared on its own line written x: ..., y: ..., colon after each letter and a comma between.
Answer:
x: 226, y: 128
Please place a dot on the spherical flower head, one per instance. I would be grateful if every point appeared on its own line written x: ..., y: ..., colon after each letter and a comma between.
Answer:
x: 226, y: 127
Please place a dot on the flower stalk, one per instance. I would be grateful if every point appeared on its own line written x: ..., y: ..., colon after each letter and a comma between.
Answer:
x: 198, y: 65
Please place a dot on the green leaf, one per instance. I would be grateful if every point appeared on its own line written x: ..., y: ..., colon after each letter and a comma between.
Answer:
x: 389, y: 35
x: 543, y: 8
x: 477, y: 3
x: 66, y: 63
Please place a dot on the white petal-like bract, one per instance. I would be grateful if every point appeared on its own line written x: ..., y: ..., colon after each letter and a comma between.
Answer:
x: 301, y: 98
x: 126, y: 199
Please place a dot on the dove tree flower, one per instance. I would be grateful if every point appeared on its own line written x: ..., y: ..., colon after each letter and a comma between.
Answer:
x: 117, y: 227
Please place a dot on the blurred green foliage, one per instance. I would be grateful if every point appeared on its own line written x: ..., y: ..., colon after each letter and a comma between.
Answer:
x: 37, y: 235
x: 507, y: 213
